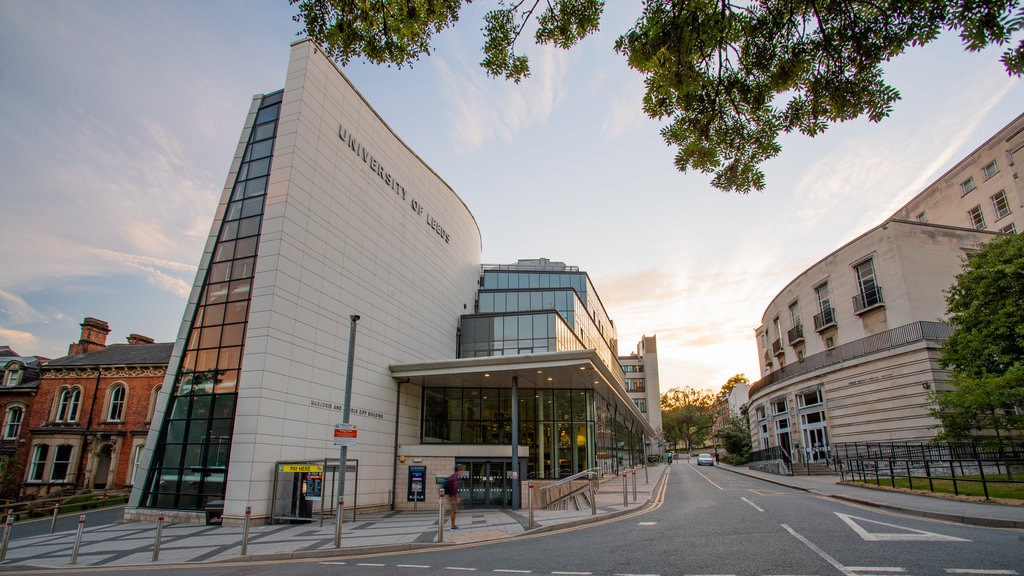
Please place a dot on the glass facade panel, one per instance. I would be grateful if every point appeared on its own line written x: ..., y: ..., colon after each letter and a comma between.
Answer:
x: 189, y: 467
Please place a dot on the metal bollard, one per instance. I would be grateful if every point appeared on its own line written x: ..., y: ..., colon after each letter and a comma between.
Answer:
x: 8, y: 523
x: 530, y: 484
x: 78, y: 539
x: 159, y: 534
x: 53, y: 520
x: 245, y: 531
x: 593, y: 503
x: 625, y: 492
x: 634, y: 485
x: 440, y: 516
x: 337, y: 526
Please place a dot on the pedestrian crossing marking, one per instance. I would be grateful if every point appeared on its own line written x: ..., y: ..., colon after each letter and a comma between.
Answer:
x: 905, y: 534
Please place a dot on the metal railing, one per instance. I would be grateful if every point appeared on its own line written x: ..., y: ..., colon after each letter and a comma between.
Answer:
x: 558, y: 491
x: 827, y: 317
x: 867, y: 299
x: 922, y: 465
x: 795, y: 334
x: 881, y: 342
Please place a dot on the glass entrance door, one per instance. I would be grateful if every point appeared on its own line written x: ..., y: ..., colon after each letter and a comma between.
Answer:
x: 488, y: 485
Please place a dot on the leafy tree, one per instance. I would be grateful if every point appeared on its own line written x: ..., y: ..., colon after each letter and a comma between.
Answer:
x: 729, y: 78
x: 733, y: 434
x: 985, y: 353
x: 732, y: 382
x: 686, y: 415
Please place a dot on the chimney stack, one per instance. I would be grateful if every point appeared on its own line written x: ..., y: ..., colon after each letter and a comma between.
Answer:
x: 139, y: 339
x: 94, y: 337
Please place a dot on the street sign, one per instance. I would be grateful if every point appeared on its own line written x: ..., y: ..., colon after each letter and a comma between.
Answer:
x: 345, y: 435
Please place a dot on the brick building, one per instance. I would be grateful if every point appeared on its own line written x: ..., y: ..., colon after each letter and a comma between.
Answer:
x: 91, y: 412
x: 19, y: 380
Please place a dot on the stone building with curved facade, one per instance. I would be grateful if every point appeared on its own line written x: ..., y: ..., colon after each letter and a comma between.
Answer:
x: 849, y: 348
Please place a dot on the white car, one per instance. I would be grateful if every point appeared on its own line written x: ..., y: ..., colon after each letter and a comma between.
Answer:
x: 705, y: 460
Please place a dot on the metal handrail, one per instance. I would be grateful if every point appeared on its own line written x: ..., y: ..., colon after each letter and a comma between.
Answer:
x: 564, y: 488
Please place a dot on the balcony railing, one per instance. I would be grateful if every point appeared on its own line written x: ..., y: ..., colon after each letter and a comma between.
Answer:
x: 867, y: 299
x: 881, y: 342
x: 825, y: 319
x: 795, y: 334
x: 777, y: 346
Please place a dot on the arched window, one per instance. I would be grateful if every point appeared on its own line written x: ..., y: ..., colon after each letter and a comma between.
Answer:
x: 153, y: 395
x: 115, y: 403
x: 12, y: 424
x: 67, y: 404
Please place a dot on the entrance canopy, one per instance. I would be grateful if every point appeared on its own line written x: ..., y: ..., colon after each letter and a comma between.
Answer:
x: 575, y: 369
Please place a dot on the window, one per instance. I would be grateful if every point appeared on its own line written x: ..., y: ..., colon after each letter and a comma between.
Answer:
x: 115, y: 410
x: 922, y: 217
x: 1009, y: 229
x: 641, y: 403
x: 12, y: 424
x: 794, y: 313
x: 870, y: 294
x: 825, y: 315
x: 977, y: 219
x: 809, y: 398
x: 779, y: 406
x: 990, y: 169
x: 61, y: 463
x: 966, y: 186
x: 759, y: 411
x: 1000, y: 204
x: 13, y: 375
x: 830, y: 342
x: 635, y: 385
x: 67, y: 404
x: 35, y: 471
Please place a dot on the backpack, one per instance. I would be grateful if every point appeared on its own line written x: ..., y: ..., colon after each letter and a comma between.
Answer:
x: 450, y: 485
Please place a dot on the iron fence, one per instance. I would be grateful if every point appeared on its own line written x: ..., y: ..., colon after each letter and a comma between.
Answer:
x: 921, y: 464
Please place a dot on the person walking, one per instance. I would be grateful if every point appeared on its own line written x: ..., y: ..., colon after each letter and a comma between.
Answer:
x: 451, y: 492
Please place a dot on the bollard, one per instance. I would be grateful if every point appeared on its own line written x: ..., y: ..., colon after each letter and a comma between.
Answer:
x: 625, y: 492
x: 159, y: 534
x: 593, y: 503
x: 634, y: 485
x: 53, y: 520
x: 78, y: 539
x: 337, y: 526
x: 8, y: 523
x: 530, y: 484
x: 440, y: 516
x: 245, y: 530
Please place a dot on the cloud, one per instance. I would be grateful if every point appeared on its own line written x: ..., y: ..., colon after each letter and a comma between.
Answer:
x: 484, y: 109
x: 17, y: 339
x: 17, y: 310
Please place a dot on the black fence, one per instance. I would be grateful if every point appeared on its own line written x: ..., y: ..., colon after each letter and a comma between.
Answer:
x: 922, y: 464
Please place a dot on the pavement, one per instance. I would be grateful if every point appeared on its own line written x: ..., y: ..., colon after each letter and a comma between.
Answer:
x: 115, y: 544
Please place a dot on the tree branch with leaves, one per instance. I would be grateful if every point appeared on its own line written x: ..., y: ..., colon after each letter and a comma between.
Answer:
x: 726, y: 79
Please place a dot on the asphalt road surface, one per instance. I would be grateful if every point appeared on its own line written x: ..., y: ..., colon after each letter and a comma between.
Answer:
x: 702, y: 521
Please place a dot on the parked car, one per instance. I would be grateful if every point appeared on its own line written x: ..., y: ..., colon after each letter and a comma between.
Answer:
x: 705, y: 460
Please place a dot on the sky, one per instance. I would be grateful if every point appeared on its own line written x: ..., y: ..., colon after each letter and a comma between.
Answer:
x: 118, y: 120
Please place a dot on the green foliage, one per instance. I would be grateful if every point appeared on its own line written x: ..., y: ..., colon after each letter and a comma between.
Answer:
x: 687, y: 416
x: 985, y: 353
x: 734, y: 436
x: 728, y: 78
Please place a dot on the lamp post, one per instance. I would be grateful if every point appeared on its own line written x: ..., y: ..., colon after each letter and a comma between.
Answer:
x: 344, y: 420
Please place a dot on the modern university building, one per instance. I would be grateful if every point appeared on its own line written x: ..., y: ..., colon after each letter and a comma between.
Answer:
x: 332, y: 235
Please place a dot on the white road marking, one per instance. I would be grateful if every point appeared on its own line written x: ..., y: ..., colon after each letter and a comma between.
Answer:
x: 756, y: 507
x: 886, y: 569
x: 820, y: 552
x: 411, y: 566
x: 514, y: 571
x: 459, y: 568
x: 981, y: 571
x: 648, y: 523
x: 907, y: 534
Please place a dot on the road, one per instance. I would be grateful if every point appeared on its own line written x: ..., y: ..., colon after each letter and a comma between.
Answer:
x: 703, y: 521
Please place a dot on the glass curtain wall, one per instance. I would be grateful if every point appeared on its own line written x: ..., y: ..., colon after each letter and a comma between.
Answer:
x: 190, y: 465
x: 567, y: 431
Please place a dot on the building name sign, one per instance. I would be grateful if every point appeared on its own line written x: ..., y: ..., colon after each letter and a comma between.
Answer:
x: 391, y: 182
x: 352, y: 411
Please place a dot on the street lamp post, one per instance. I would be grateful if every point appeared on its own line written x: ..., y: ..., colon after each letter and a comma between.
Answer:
x: 344, y: 420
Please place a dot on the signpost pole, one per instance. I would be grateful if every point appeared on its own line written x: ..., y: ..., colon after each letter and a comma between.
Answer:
x: 344, y: 419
